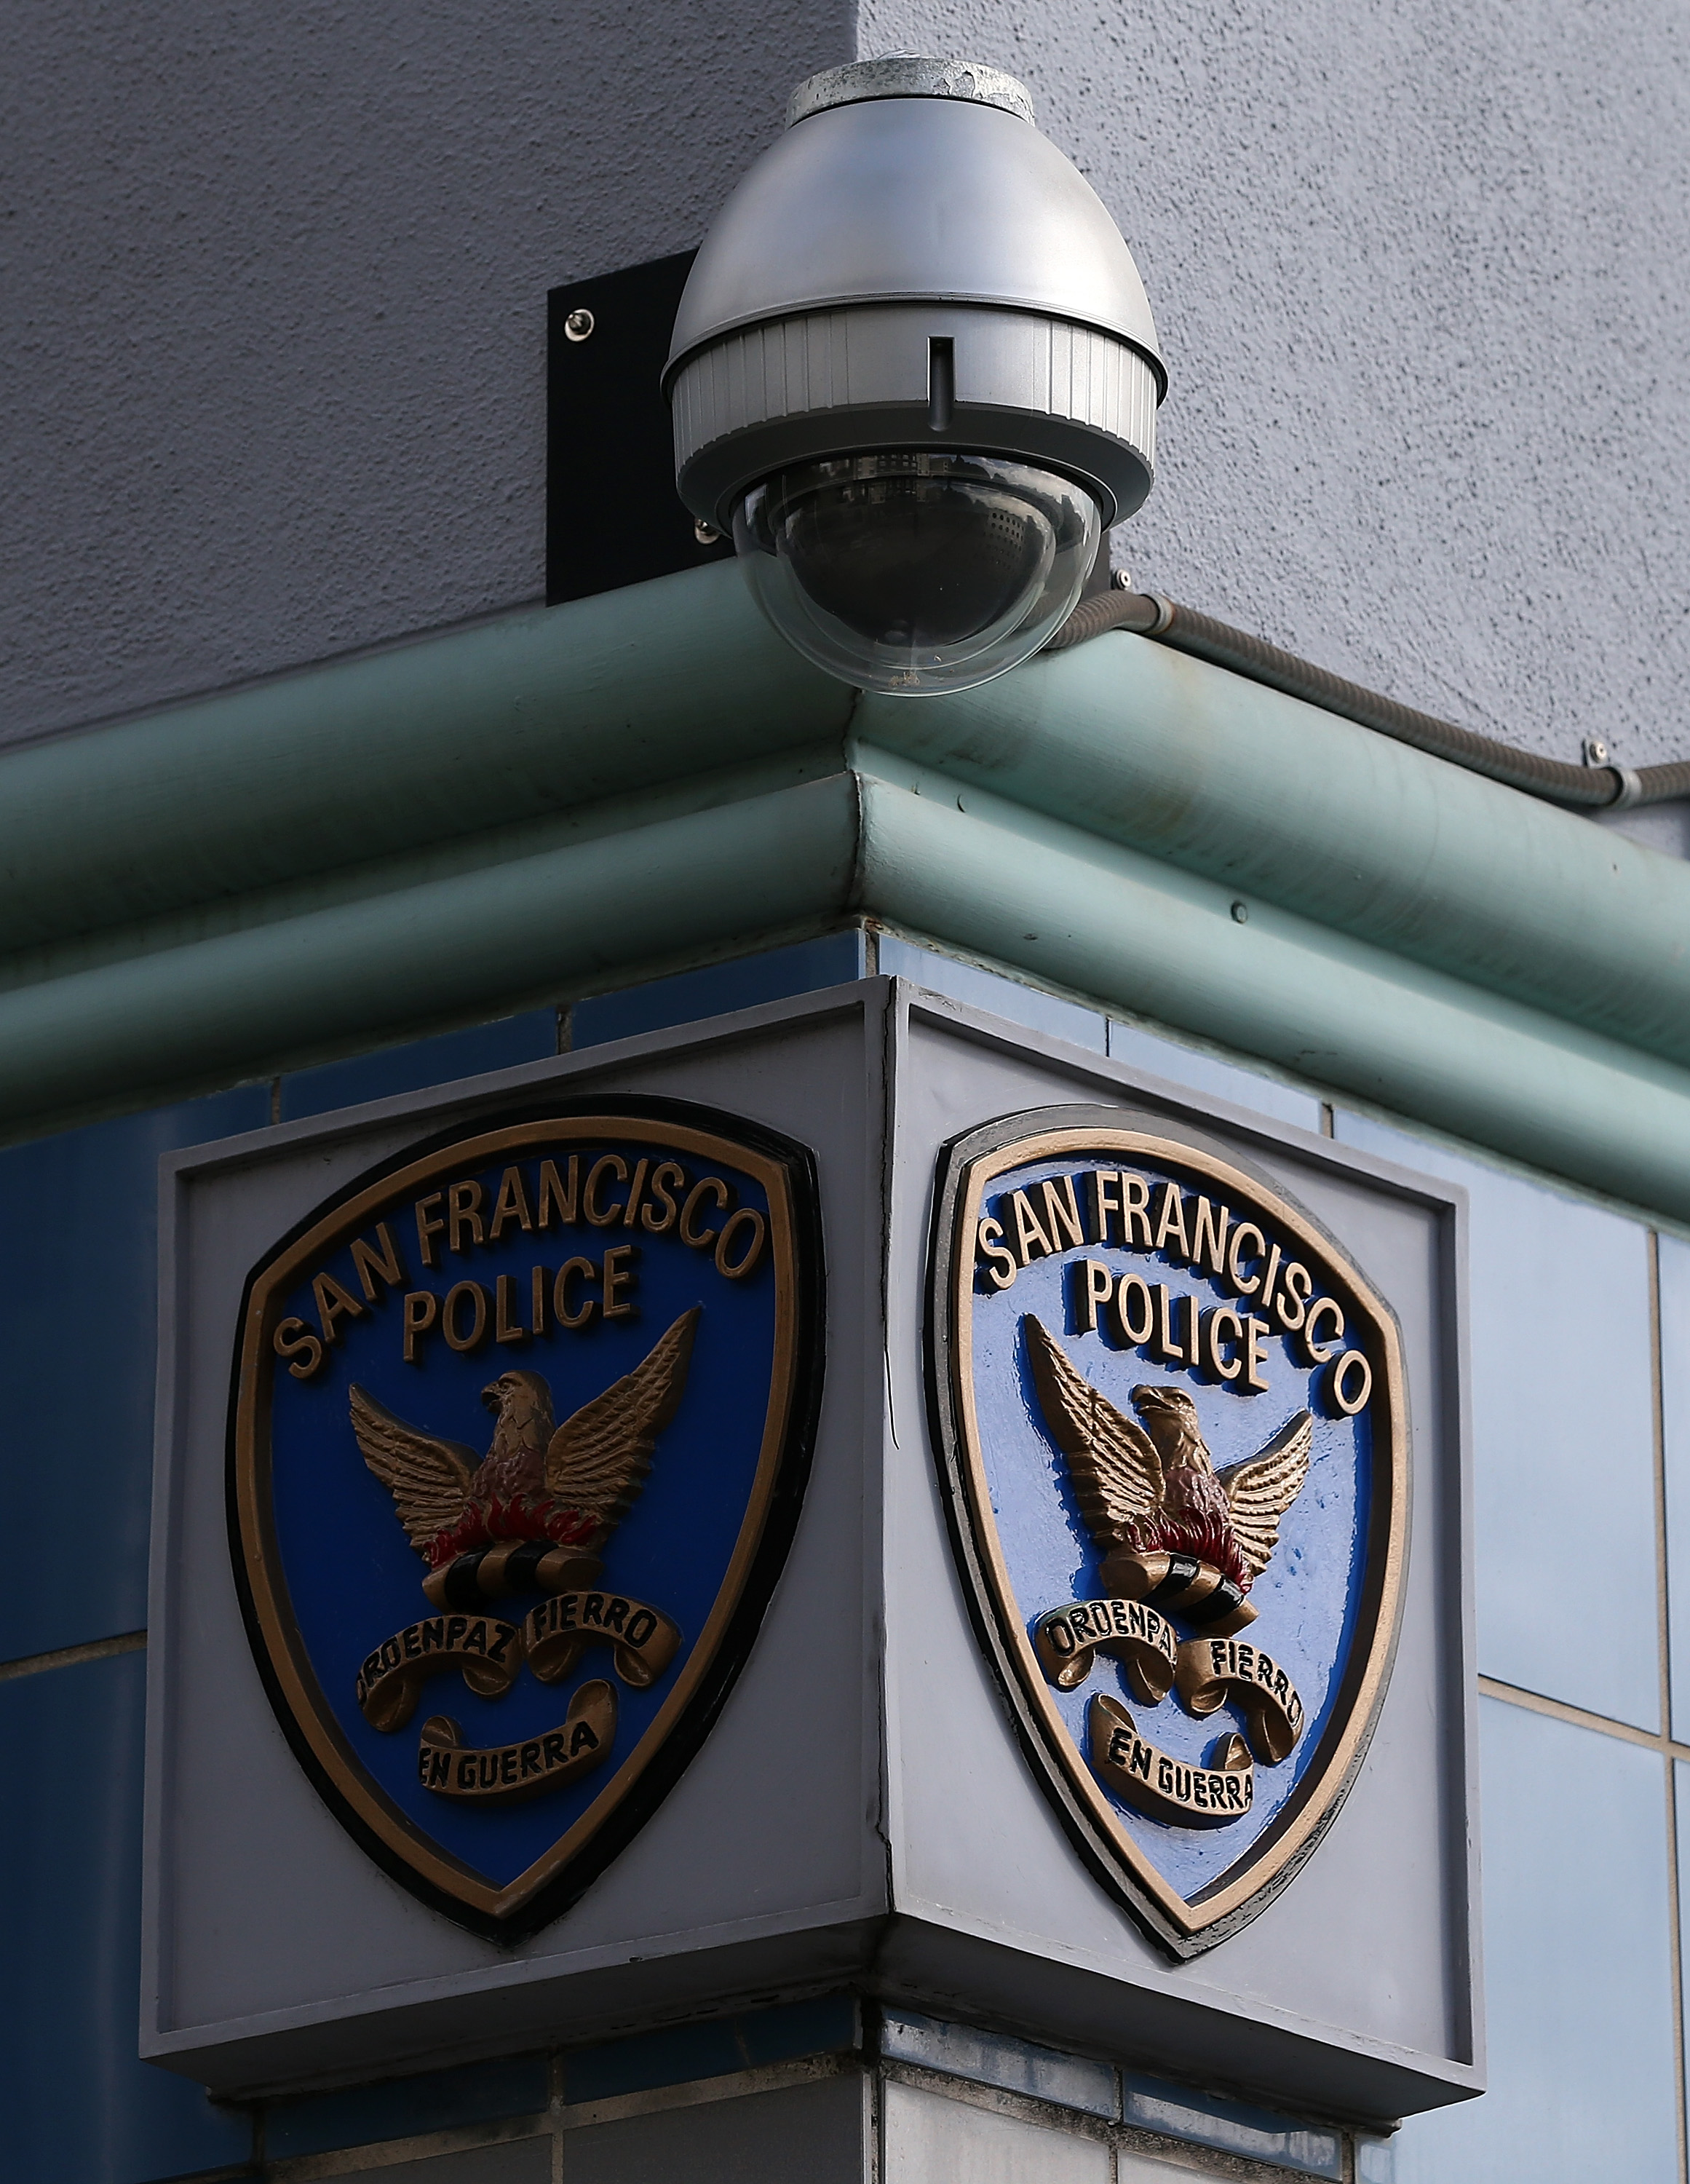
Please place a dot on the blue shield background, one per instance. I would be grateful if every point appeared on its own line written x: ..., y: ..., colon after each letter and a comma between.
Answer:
x: 1307, y: 1598
x: 352, y: 1577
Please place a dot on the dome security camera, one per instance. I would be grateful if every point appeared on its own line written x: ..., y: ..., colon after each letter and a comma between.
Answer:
x: 913, y: 375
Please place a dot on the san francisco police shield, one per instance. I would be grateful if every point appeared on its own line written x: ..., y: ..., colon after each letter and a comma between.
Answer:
x: 1173, y: 1434
x: 520, y: 1423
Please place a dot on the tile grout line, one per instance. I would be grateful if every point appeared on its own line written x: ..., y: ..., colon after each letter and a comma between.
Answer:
x: 555, y: 2089
x: 1492, y: 1687
x: 67, y: 1657
x: 1663, y: 1645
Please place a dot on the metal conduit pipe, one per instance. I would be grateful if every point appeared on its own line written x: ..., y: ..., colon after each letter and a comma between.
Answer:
x: 1581, y: 788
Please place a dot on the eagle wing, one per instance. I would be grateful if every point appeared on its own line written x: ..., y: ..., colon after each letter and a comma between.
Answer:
x: 1261, y: 1489
x: 1112, y: 1461
x: 428, y: 1478
x: 597, y: 1460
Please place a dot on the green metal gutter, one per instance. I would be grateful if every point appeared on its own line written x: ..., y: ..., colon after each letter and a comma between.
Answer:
x: 538, y: 712
x: 555, y: 802
x: 1084, y: 913
x: 1284, y: 803
x: 207, y: 1011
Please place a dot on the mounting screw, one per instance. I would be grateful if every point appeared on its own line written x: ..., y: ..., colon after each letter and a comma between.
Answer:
x: 579, y: 324
x: 1240, y: 913
x: 1121, y: 580
x: 706, y: 533
x: 1595, y: 751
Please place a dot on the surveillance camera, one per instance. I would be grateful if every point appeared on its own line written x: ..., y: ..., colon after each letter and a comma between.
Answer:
x: 913, y: 375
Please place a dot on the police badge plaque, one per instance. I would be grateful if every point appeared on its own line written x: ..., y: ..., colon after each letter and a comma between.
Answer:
x: 1172, y: 1429
x: 520, y: 1423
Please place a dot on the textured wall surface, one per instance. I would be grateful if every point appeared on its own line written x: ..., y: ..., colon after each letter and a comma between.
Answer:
x: 274, y: 278
x: 275, y: 281
x: 1412, y: 270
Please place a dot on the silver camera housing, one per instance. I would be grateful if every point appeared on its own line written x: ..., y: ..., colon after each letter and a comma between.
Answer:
x: 913, y: 266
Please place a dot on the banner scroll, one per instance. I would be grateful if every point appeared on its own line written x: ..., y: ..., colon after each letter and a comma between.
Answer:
x: 1169, y: 1789
x: 503, y: 1773
x: 558, y: 1632
x: 489, y: 1652
x: 1213, y: 1669
x: 1066, y: 1638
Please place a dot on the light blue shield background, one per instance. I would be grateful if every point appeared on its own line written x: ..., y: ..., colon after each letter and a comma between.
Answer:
x: 353, y: 1577
x: 1306, y: 1599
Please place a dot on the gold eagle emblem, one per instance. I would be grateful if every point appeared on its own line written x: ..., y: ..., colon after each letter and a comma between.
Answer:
x: 536, y: 1510
x: 1171, y: 1528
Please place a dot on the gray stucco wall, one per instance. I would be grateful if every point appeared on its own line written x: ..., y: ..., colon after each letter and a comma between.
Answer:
x: 274, y: 283
x: 274, y: 296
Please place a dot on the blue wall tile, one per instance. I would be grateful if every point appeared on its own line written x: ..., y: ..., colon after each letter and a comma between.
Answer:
x: 1070, y: 2082
x: 776, y: 975
x: 986, y: 989
x: 1375, y: 2161
x: 1681, y: 1780
x: 827, y: 2025
x: 1578, y: 1968
x: 394, y: 1069
x: 1234, y: 2126
x: 437, y: 2100
x: 714, y: 2049
x: 1675, y: 1390
x: 79, y: 1250
x: 1203, y: 1072
x: 80, y: 2107
x: 1563, y: 1436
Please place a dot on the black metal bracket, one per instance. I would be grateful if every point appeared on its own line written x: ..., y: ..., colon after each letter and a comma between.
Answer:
x: 613, y: 517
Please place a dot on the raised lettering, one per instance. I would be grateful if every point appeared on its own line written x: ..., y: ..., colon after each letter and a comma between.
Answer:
x: 1003, y: 1269
x: 1323, y: 1308
x: 557, y: 1197
x: 421, y: 1308
x: 1134, y: 1311
x: 511, y: 1205
x: 294, y: 1341
x: 1294, y: 1288
x: 658, y: 1211
x: 457, y: 1338
x: 690, y: 1232
x: 369, y: 1266
x: 1350, y: 1383
x: 427, y: 1228
x: 736, y: 1262
x: 1256, y: 1332
x: 1171, y: 1222
x: 507, y: 1327
x: 1093, y: 1285
x: 1209, y: 1225
x: 1060, y: 1209
x: 333, y: 1304
x: 620, y: 1276
x: 1265, y: 1298
x: 560, y: 1293
x: 464, y: 1204
x: 1221, y: 1325
x: 1240, y: 1251
x: 1105, y: 1201
x: 1028, y: 1231
x: 1166, y: 1344
x: 599, y: 1215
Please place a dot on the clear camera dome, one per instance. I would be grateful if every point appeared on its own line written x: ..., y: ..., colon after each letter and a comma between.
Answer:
x: 916, y: 573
